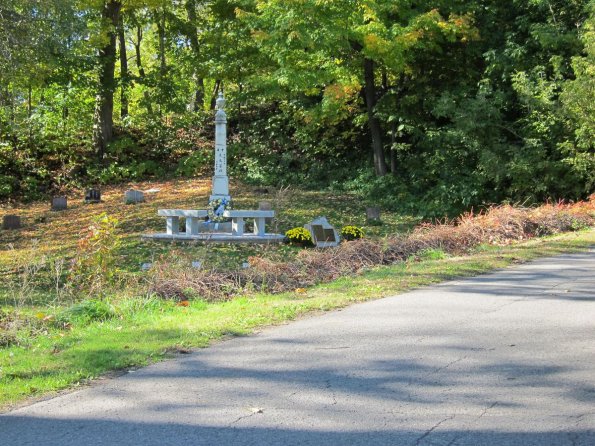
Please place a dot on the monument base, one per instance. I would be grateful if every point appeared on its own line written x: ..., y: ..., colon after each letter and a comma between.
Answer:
x: 208, y: 227
x: 218, y: 237
x: 220, y: 188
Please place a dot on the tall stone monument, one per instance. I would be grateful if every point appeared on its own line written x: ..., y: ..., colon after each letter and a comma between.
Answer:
x: 226, y: 232
x: 220, y: 179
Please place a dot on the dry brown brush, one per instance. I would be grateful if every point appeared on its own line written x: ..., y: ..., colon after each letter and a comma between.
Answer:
x: 499, y: 225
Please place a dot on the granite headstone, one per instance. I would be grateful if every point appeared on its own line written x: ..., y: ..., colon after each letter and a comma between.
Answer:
x: 324, y: 235
x: 93, y: 196
x: 59, y: 204
x: 11, y: 222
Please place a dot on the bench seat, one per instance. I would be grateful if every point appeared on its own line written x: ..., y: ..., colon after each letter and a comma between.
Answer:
x: 238, y: 216
x: 192, y: 217
x: 173, y: 219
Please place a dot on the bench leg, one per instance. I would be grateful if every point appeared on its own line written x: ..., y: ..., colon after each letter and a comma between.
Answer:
x: 259, y: 226
x: 191, y: 226
x: 237, y: 226
x: 173, y: 225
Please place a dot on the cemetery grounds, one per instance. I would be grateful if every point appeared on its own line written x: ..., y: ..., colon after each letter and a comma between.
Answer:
x: 62, y: 327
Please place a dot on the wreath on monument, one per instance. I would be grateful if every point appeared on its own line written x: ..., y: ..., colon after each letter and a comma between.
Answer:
x: 216, y: 209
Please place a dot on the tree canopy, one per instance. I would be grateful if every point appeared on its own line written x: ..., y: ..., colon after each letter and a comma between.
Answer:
x: 432, y: 106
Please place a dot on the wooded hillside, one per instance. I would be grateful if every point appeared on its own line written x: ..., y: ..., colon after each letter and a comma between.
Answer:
x: 431, y: 106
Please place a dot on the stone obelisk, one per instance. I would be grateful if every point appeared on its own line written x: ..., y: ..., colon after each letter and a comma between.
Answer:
x: 220, y: 179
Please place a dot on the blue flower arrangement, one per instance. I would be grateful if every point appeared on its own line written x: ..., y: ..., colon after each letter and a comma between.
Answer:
x: 216, y: 209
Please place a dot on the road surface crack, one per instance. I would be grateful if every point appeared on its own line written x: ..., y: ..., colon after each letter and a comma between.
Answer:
x: 449, y: 364
x: 254, y: 412
x: 429, y: 431
x: 328, y: 386
x: 483, y: 412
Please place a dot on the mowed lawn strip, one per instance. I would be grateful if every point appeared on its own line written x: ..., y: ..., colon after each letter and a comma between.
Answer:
x: 146, y: 330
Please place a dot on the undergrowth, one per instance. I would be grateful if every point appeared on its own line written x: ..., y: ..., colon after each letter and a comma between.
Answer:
x: 498, y: 225
x: 80, y: 291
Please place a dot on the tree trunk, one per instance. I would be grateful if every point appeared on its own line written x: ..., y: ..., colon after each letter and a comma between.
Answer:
x: 161, y: 34
x: 104, y: 103
x: 380, y: 166
x: 215, y: 93
x: 393, y: 153
x: 141, y: 70
x: 66, y: 90
x: 29, y: 102
x: 124, y: 77
x: 29, y: 113
x: 199, y: 93
x: 160, y: 21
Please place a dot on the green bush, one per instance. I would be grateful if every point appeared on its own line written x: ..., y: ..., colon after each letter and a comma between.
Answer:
x: 94, y: 267
x: 432, y: 254
x: 195, y: 163
x: 299, y: 236
x: 352, y: 232
x: 6, y: 186
x: 87, y: 311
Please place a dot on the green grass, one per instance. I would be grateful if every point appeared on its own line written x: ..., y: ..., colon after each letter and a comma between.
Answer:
x: 68, y: 349
x: 57, y: 233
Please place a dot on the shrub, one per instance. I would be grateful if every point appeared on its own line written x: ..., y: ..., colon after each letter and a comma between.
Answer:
x: 498, y: 225
x: 87, y: 311
x: 19, y: 328
x: 95, y: 263
x: 194, y: 164
x: 350, y: 233
x: 432, y: 254
x: 299, y: 236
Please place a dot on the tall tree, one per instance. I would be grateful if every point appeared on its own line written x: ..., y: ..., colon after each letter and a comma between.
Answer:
x: 578, y: 99
x: 191, y: 31
x: 124, y: 76
x: 104, y: 101
x: 138, y: 25
x: 330, y: 46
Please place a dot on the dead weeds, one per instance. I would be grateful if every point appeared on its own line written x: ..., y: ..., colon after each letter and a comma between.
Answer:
x: 498, y: 225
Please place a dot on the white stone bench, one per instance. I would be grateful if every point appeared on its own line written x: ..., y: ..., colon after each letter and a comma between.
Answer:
x: 237, y: 220
x: 192, y: 220
x: 173, y: 219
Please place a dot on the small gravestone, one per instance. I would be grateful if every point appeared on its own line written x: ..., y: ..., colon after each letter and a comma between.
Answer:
x: 196, y: 264
x: 93, y: 196
x: 373, y: 214
x: 134, y: 197
x: 146, y: 266
x: 11, y: 222
x: 59, y: 204
x: 324, y: 235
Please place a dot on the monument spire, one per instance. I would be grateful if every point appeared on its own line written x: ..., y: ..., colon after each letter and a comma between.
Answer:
x: 220, y: 179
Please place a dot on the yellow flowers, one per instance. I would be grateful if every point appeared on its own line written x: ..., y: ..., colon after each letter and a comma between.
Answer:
x: 352, y: 233
x: 299, y: 236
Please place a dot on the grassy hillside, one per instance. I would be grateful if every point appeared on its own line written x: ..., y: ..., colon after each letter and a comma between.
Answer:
x: 51, y: 232
x: 57, y: 331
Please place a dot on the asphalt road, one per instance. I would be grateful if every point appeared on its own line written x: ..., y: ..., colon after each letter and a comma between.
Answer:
x: 502, y: 359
